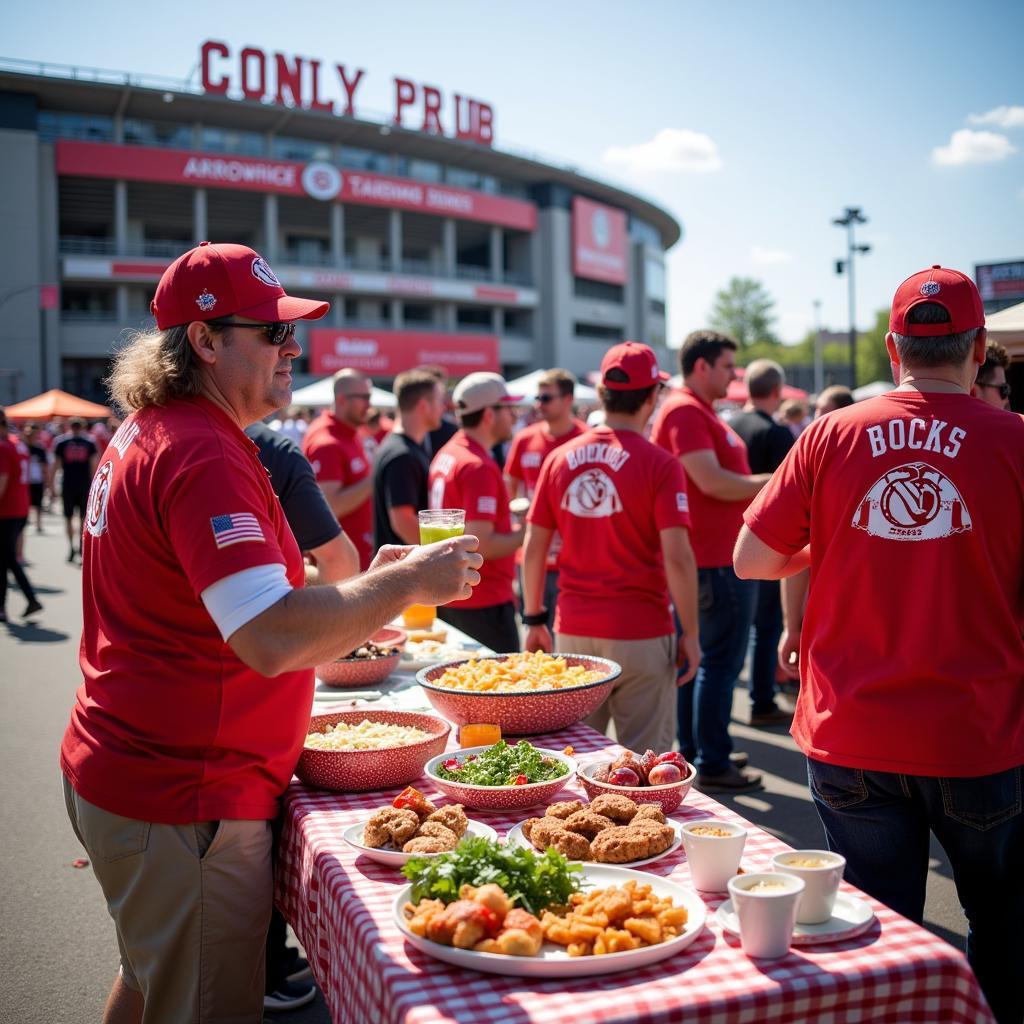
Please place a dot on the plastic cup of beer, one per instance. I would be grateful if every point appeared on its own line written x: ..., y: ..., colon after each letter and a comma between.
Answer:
x: 441, y: 523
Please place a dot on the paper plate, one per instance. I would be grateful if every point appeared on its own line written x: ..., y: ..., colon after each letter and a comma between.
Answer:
x: 850, y: 918
x: 353, y: 835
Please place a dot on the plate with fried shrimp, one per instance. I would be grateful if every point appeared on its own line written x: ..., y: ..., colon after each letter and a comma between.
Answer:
x: 392, y: 835
x: 622, y: 920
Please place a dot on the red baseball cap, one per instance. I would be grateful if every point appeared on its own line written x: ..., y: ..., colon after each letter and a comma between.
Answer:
x: 637, y: 361
x: 951, y: 289
x: 218, y: 280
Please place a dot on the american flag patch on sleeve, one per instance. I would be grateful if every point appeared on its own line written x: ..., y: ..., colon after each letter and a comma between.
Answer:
x: 236, y: 528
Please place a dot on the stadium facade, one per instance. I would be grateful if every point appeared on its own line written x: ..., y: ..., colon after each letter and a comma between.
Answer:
x: 432, y: 243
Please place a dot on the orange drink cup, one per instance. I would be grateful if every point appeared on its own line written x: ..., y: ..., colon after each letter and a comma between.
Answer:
x: 419, y: 616
x: 479, y: 735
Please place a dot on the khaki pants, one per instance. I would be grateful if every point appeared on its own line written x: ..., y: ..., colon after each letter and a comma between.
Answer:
x: 191, y: 906
x: 643, y: 701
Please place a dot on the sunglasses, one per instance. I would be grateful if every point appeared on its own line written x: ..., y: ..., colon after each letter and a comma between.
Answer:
x: 544, y: 399
x: 1003, y: 389
x: 276, y: 333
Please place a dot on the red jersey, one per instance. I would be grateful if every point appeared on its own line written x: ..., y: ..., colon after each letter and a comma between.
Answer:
x: 686, y: 423
x: 465, y: 475
x: 169, y: 724
x: 530, y: 447
x: 911, y: 652
x: 337, y: 455
x: 14, y: 463
x: 609, y: 494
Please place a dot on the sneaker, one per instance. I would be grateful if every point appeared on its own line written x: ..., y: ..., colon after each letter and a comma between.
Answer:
x: 777, y: 716
x: 71, y: 555
x: 733, y: 780
x: 33, y: 607
x: 739, y: 758
x: 289, y: 996
x: 299, y: 970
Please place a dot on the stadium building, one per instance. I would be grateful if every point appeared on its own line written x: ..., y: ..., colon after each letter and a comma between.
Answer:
x: 432, y: 243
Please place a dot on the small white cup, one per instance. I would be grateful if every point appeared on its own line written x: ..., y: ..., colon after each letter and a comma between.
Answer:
x: 821, y: 881
x: 713, y: 858
x: 765, y: 903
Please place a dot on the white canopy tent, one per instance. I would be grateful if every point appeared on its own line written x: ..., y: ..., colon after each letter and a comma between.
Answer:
x: 321, y: 394
x: 527, y: 387
x: 872, y: 390
x: 1007, y: 327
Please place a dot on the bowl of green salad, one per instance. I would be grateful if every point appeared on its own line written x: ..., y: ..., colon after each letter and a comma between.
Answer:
x: 505, y: 776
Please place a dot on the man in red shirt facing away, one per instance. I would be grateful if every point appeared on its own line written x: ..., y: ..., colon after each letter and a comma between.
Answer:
x: 334, y: 446
x: 619, y: 504
x: 14, y: 506
x: 719, y: 484
x: 909, y: 509
x: 464, y: 474
x: 198, y: 643
x: 532, y: 445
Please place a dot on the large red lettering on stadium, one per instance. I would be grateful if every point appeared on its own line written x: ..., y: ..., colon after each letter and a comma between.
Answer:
x: 293, y: 81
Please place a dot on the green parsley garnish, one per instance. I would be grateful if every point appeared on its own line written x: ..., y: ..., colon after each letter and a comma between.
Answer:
x: 502, y: 765
x: 533, y: 881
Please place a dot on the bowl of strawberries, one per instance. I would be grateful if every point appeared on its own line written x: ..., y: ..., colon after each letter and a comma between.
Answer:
x: 649, y: 778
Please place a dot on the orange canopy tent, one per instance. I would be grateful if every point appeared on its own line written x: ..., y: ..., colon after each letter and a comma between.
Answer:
x: 55, y: 403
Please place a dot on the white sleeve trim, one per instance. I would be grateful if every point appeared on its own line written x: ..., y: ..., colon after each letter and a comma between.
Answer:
x: 238, y: 599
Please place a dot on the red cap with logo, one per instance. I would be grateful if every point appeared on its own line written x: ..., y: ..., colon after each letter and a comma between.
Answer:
x: 637, y: 361
x: 951, y: 289
x: 213, y: 281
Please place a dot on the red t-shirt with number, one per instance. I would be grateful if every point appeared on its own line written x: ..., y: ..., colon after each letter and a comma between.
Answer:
x: 609, y: 494
x: 684, y: 424
x: 337, y: 455
x: 169, y: 724
x: 14, y: 464
x: 911, y: 651
x: 465, y: 475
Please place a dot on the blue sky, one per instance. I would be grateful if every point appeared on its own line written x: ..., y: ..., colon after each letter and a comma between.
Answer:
x: 753, y: 123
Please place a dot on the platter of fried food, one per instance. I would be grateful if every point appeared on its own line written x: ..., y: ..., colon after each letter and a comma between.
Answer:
x: 611, y: 830
x: 621, y: 921
x: 412, y: 826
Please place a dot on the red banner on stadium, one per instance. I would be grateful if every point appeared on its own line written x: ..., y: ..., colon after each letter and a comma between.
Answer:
x: 385, y: 353
x: 321, y: 181
x: 599, y: 242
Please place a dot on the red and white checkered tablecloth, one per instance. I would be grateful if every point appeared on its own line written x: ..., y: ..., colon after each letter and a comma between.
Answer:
x: 340, y: 907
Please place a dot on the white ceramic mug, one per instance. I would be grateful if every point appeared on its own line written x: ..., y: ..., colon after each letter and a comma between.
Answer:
x: 713, y: 858
x: 821, y: 881
x: 765, y: 904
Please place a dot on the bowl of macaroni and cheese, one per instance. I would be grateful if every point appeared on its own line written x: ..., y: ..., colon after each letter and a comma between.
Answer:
x: 524, y: 693
x: 355, y: 751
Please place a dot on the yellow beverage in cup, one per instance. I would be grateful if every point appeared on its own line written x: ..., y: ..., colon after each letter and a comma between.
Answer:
x: 441, y: 523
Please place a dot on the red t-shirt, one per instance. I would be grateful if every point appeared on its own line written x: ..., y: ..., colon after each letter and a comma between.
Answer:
x: 337, y: 455
x: 169, y: 725
x: 911, y: 652
x: 684, y: 424
x: 530, y: 447
x: 465, y: 475
x: 14, y: 462
x: 609, y: 494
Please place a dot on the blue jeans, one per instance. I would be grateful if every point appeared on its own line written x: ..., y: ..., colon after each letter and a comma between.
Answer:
x: 704, y: 707
x: 764, y: 656
x: 880, y: 822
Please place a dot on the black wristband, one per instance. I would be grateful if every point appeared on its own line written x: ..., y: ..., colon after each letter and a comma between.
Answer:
x: 537, y: 619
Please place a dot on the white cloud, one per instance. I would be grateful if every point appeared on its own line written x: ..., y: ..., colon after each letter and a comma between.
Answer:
x: 1004, y: 117
x: 968, y: 147
x: 766, y: 257
x: 671, y: 150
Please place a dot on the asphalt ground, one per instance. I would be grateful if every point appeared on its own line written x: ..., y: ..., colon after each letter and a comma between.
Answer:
x: 57, y: 943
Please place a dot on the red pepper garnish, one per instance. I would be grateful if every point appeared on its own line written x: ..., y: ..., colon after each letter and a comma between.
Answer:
x: 413, y: 799
x: 452, y: 764
x: 489, y: 919
x: 521, y: 780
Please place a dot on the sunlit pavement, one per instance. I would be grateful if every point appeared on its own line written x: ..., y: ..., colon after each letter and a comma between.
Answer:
x: 57, y: 944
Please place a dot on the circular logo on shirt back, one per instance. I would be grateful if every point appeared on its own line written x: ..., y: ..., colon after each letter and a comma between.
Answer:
x: 96, y: 506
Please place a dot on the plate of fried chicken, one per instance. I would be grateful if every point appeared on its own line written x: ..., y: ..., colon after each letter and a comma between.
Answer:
x: 393, y: 835
x: 611, y: 830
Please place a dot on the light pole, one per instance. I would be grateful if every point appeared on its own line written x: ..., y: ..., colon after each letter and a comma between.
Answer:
x: 851, y: 216
x: 819, y: 369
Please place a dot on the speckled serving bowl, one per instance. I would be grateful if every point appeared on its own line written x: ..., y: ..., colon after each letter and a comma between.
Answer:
x: 356, y: 771
x: 357, y: 672
x: 526, y: 713
x: 499, y: 798
x: 667, y: 797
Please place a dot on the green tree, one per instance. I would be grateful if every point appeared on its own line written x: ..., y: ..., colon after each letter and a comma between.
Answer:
x: 744, y: 310
x: 872, y: 357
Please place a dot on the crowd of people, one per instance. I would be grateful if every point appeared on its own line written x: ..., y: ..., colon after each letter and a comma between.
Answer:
x: 222, y: 570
